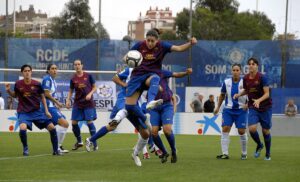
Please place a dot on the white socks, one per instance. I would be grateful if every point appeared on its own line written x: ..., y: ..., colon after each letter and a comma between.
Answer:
x: 244, y: 141
x: 225, y: 143
x: 141, y: 143
x: 61, y: 134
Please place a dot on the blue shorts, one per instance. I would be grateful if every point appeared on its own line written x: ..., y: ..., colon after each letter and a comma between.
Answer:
x: 136, y: 121
x: 137, y: 83
x: 236, y: 116
x: 264, y: 118
x: 120, y: 104
x: 56, y: 114
x: 88, y: 114
x: 162, y: 114
x: 38, y: 117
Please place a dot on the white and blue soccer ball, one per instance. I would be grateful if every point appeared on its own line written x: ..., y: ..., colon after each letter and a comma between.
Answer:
x: 133, y: 58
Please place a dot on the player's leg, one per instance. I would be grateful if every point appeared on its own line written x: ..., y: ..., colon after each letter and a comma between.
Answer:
x: 241, y: 123
x: 152, y: 92
x: 266, y: 123
x: 77, y: 115
x: 53, y: 135
x: 253, y: 118
x: 62, y: 125
x: 227, y: 117
x: 23, y: 138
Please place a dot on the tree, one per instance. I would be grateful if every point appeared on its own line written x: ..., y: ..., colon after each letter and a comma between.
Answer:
x: 168, y: 35
x: 220, y: 20
x: 75, y: 22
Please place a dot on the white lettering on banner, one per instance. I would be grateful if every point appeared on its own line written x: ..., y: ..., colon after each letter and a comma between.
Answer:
x: 49, y: 55
x: 222, y: 69
x: 104, y: 104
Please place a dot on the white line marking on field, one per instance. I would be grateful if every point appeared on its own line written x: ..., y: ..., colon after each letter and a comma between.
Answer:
x: 43, y: 155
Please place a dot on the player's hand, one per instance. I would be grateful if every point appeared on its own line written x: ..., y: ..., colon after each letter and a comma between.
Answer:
x: 216, y: 111
x: 7, y: 86
x: 256, y: 103
x: 48, y: 114
x: 88, y: 97
x: 68, y: 104
x: 189, y: 71
x: 193, y: 41
x: 235, y: 96
x: 59, y: 105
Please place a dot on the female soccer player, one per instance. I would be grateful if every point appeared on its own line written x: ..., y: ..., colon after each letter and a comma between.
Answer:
x: 235, y: 111
x: 84, y: 106
x: 30, y: 94
x: 49, y: 85
x: 260, y: 106
x: 153, y: 52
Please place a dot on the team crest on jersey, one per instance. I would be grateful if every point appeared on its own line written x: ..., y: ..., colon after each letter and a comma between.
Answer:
x: 256, y: 82
x: 48, y: 83
x: 32, y: 87
x: 104, y: 90
x: 85, y: 78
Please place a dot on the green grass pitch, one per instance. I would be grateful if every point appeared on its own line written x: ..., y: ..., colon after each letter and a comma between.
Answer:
x: 112, y: 162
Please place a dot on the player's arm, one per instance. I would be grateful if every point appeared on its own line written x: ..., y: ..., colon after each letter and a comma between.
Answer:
x: 184, y: 47
x: 89, y: 95
x: 173, y: 99
x: 118, y: 81
x: 68, y: 100
x: 45, y: 106
x: 182, y: 74
x: 11, y: 93
x: 242, y: 93
x: 49, y: 96
x: 220, y: 101
x: 192, y: 106
x: 262, y: 98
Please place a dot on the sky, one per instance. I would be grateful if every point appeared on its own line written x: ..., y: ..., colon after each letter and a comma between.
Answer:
x: 115, y: 14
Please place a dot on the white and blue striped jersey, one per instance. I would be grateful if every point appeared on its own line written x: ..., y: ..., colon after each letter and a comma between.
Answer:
x: 229, y: 88
x: 49, y: 83
x: 124, y: 76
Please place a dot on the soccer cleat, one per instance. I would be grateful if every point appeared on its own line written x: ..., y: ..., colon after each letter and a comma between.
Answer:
x: 62, y: 150
x: 57, y: 153
x: 223, y: 156
x: 267, y: 158
x: 159, y: 153
x: 174, y: 158
x: 115, y: 121
x: 88, y: 144
x: 95, y: 148
x: 153, y: 104
x: 25, y: 151
x: 243, y: 156
x: 164, y: 158
x: 146, y: 156
x: 258, y: 150
x: 136, y: 159
x: 77, y: 145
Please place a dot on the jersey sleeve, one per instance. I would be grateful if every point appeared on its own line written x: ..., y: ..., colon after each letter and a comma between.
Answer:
x: 136, y: 46
x: 40, y: 88
x: 91, y: 79
x: 72, y: 86
x: 123, y: 74
x: 167, y: 74
x: 223, y: 88
x: 265, y: 81
x: 167, y: 46
x: 46, y: 83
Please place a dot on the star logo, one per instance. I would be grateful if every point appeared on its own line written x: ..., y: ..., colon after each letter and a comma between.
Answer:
x: 209, y: 122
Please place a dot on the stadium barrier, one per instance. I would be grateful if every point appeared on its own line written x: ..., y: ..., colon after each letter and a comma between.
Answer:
x: 184, y: 123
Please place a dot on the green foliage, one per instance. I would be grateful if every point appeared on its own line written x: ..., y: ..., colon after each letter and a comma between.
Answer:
x: 75, y: 22
x: 112, y: 162
x: 168, y: 35
x: 220, y: 20
x: 17, y: 35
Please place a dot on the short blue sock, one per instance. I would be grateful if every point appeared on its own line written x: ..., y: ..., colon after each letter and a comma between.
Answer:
x: 150, y: 141
x: 54, y: 141
x: 267, y: 139
x: 100, y: 133
x: 23, y: 137
x: 153, y: 88
x: 255, y: 137
x: 171, y: 140
x: 76, y: 131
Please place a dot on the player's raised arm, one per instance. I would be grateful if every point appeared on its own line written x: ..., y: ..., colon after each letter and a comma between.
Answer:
x: 7, y: 88
x: 184, y: 47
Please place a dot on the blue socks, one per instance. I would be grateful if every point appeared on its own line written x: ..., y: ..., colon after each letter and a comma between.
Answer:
x: 135, y: 110
x: 268, y: 144
x: 153, y: 88
x: 99, y: 134
x: 255, y: 137
x: 171, y: 140
x: 76, y: 131
x: 92, y: 129
x: 23, y: 137
x: 53, y: 136
x: 159, y: 144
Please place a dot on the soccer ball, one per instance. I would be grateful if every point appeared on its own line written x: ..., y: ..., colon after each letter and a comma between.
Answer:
x: 133, y: 58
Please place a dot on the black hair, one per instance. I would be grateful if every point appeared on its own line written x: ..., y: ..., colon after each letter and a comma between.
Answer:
x: 0, y: 94
x: 157, y: 30
x: 25, y: 66
x: 78, y: 60
x: 153, y: 33
x: 236, y: 64
x: 49, y: 66
x: 253, y: 59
